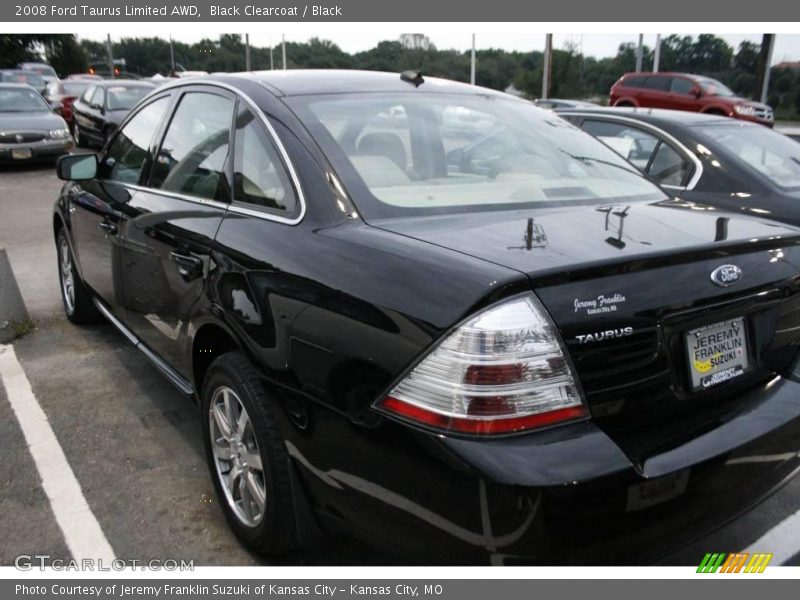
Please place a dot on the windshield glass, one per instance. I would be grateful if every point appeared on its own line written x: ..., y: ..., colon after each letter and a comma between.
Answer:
x: 21, y: 100
x: 125, y: 98
x: 30, y: 78
x: 407, y: 154
x: 712, y: 87
x: 43, y: 70
x: 772, y: 154
x: 75, y: 88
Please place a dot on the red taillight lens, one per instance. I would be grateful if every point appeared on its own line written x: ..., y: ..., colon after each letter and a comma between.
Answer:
x: 502, y: 371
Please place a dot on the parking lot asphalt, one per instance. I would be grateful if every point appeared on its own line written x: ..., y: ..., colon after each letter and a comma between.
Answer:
x: 134, y: 443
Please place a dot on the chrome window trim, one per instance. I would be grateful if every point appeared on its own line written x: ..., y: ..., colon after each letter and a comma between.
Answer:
x: 253, y: 212
x: 698, y: 166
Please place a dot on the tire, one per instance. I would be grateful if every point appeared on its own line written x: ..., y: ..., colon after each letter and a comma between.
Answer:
x: 80, y: 142
x: 78, y: 304
x: 270, y: 528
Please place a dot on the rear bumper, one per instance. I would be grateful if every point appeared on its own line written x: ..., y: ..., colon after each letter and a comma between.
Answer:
x: 565, y: 496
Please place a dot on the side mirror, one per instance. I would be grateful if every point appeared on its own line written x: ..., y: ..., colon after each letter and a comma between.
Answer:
x: 77, y: 167
x: 56, y: 107
x: 697, y: 92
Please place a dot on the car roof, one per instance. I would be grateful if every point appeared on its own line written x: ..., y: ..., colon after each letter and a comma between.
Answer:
x: 20, y: 72
x: 24, y: 86
x: 665, y: 74
x: 119, y: 82
x: 297, y: 82
x: 656, y: 116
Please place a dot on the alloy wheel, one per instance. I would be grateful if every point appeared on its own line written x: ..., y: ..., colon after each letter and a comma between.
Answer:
x: 236, y: 456
x: 67, y: 275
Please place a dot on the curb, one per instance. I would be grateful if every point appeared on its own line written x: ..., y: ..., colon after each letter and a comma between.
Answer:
x: 14, y: 319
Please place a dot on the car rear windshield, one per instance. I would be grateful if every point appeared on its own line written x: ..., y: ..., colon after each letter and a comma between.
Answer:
x: 411, y: 153
x: 772, y: 154
x: 126, y: 97
x: 21, y: 100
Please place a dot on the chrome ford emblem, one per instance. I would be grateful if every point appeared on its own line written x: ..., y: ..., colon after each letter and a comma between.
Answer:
x: 726, y: 275
x: 19, y: 137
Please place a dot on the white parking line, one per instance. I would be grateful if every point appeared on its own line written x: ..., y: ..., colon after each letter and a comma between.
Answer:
x: 783, y: 540
x: 82, y: 532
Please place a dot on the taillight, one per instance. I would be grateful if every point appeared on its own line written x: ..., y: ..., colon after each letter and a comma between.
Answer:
x: 503, y: 370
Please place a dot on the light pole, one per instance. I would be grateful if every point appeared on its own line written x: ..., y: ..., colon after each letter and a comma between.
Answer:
x: 548, y: 59
x: 472, y: 62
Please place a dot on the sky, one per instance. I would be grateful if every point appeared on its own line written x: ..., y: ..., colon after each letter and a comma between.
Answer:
x: 446, y: 36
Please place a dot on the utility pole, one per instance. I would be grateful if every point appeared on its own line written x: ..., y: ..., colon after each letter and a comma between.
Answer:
x: 763, y: 68
x: 271, y: 52
x: 110, y: 56
x: 171, y: 56
x: 548, y: 59
x: 657, y: 54
x: 639, y: 53
x: 472, y: 62
x: 246, y: 51
x: 283, y: 49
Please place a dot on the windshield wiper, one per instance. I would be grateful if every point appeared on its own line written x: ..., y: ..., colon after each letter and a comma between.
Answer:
x: 630, y: 169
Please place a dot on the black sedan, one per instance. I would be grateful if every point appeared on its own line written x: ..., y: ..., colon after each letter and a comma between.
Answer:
x: 707, y: 159
x: 100, y: 109
x: 466, y: 362
x: 28, y: 129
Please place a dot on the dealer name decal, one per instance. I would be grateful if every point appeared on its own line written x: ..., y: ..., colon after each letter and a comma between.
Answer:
x: 601, y: 304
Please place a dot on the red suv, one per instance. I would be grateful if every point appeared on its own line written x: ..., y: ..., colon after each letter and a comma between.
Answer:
x: 680, y: 91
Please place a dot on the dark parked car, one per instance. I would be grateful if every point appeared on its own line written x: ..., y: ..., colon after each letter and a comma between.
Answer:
x: 101, y: 108
x: 706, y: 159
x: 65, y: 92
x: 470, y: 362
x: 682, y: 91
x: 30, y: 78
x: 28, y: 128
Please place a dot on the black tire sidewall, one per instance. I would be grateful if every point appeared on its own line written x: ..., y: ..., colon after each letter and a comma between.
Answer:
x: 275, y: 533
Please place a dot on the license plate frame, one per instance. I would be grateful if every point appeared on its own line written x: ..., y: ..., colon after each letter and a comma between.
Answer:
x: 717, y: 353
x: 22, y: 153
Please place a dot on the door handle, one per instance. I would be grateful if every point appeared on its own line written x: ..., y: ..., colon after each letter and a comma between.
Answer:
x: 108, y: 227
x: 189, y: 267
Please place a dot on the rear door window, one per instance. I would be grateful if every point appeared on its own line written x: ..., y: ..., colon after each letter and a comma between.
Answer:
x: 668, y: 167
x: 636, y: 81
x: 658, y: 83
x: 193, y: 155
x: 259, y: 177
x: 682, y: 86
x: 631, y: 143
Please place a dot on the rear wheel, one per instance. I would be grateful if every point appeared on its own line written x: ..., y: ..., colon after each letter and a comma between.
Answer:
x: 247, y: 456
x: 78, y: 304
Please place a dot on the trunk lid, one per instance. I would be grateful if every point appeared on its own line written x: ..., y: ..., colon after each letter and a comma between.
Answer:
x: 626, y: 285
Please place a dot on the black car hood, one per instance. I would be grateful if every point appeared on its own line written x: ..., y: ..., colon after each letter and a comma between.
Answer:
x: 547, y: 241
x: 30, y: 121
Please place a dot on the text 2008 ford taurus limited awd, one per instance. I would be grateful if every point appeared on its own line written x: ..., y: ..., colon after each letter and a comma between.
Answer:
x: 438, y: 318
